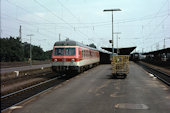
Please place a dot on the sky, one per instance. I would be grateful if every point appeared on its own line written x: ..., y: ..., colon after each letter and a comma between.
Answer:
x: 141, y: 23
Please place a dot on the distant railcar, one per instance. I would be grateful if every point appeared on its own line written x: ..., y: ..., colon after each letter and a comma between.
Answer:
x: 71, y: 56
x: 135, y: 57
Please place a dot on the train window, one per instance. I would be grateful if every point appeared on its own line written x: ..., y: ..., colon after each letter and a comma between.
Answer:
x: 70, y: 51
x: 59, y: 52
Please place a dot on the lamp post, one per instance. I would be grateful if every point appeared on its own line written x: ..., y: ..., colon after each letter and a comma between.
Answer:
x: 106, y: 10
x: 117, y: 40
x: 30, y: 49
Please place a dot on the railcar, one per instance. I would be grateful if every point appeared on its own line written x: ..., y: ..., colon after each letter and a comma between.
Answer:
x: 70, y: 56
x: 134, y: 57
x: 137, y: 57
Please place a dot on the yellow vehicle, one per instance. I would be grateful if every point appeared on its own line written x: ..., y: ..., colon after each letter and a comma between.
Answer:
x: 120, y: 66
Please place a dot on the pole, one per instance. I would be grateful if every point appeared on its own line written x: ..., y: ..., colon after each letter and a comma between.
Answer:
x: 59, y: 36
x: 117, y: 40
x: 30, y: 49
x: 20, y: 33
x: 112, y: 39
x: 30, y: 53
x: 164, y: 44
x: 112, y: 30
x: 117, y: 44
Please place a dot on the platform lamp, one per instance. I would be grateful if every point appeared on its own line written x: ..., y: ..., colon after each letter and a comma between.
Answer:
x: 106, y: 10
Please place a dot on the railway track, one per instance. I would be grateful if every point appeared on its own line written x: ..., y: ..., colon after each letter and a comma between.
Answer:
x: 22, y: 78
x: 20, y: 96
x: 14, y: 84
x: 164, y: 77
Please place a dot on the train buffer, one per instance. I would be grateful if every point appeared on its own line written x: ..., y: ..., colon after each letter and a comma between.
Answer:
x: 120, y: 66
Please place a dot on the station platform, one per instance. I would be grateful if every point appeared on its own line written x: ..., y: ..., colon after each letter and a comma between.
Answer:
x: 95, y: 91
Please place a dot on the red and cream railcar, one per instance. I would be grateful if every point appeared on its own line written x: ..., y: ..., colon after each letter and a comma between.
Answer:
x: 69, y: 56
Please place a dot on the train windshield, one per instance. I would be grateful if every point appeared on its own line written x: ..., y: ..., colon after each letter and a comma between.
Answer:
x: 64, y: 52
x: 59, y: 52
x: 69, y: 51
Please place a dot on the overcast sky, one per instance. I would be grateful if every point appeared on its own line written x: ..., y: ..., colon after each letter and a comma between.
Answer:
x: 142, y: 23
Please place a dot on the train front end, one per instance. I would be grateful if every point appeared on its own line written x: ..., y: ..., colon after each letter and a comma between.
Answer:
x: 64, y: 59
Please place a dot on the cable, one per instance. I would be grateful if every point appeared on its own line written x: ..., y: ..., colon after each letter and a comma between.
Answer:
x: 26, y: 23
x: 53, y: 13
x: 156, y: 27
x: 123, y: 21
x: 157, y: 13
x: 68, y: 10
x: 73, y: 28
x: 23, y: 9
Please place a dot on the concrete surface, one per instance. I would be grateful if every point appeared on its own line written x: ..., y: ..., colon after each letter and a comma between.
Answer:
x: 7, y: 70
x: 95, y: 91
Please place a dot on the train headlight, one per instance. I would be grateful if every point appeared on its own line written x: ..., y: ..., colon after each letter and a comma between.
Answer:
x: 72, y: 60
x: 55, y: 60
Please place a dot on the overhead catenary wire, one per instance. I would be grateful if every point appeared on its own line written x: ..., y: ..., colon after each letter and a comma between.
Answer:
x: 107, y: 23
x: 26, y: 28
x: 68, y: 10
x: 28, y: 24
x: 121, y: 21
x: 76, y: 19
x: 156, y: 43
x: 153, y: 31
x: 149, y: 35
x: 26, y: 10
x: 61, y: 18
x: 103, y: 23
x: 159, y: 11
x: 52, y: 13
x: 47, y: 24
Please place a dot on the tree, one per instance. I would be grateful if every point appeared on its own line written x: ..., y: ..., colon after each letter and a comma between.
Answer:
x: 12, y: 49
x: 48, y: 54
x: 37, y: 53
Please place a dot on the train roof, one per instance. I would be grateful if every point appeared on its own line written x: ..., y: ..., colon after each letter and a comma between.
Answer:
x: 166, y: 50
x: 122, y: 51
x: 72, y: 43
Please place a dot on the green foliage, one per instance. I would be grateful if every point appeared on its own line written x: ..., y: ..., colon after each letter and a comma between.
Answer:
x: 48, y: 54
x: 13, y: 50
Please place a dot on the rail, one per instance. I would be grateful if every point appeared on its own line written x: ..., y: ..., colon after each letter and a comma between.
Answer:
x: 164, y: 77
x: 26, y: 93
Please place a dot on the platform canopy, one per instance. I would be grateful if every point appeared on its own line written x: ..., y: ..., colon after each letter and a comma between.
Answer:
x: 166, y: 50
x: 122, y: 51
